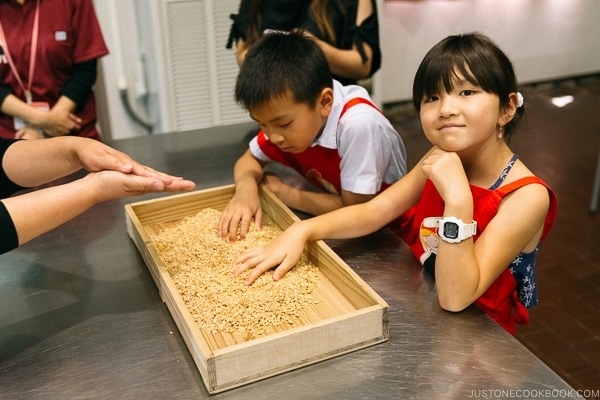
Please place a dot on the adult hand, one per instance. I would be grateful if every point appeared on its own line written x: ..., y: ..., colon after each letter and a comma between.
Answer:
x: 60, y: 121
x: 28, y: 132
x: 108, y: 185
x: 96, y: 156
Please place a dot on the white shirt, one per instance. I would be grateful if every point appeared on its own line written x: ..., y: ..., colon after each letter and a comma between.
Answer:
x: 370, y: 149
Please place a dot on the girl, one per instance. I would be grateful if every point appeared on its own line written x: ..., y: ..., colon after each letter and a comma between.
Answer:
x: 473, y: 214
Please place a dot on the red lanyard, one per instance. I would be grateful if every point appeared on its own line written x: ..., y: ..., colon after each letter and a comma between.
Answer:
x: 34, y: 42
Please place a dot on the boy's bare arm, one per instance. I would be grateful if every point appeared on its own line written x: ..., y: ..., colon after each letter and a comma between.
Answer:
x: 314, y: 203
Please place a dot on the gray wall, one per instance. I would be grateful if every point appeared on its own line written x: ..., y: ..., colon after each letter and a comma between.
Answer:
x: 546, y: 39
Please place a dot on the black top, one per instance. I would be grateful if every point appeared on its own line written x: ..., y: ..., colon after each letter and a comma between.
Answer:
x: 8, y: 234
x: 290, y: 14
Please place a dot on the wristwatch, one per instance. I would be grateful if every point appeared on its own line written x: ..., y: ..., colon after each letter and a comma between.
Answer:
x: 454, y: 230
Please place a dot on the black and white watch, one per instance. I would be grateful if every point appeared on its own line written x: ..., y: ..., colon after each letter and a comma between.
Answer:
x: 454, y: 230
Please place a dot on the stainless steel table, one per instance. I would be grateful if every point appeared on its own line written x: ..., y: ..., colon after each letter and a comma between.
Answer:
x: 81, y: 318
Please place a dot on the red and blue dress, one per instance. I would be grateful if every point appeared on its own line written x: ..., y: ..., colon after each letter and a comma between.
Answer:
x: 515, y: 290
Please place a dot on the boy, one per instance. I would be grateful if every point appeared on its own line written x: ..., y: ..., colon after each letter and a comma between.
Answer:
x: 331, y: 134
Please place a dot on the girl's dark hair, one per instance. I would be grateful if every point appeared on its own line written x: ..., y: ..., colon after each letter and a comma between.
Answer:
x: 282, y: 64
x: 478, y: 59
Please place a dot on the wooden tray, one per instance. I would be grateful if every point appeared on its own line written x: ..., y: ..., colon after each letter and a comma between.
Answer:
x: 349, y: 316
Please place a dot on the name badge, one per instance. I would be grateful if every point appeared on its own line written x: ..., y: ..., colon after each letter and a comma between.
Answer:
x: 40, y: 105
x: 60, y: 36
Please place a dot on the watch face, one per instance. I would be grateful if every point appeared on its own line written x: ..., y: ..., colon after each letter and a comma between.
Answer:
x: 451, y: 230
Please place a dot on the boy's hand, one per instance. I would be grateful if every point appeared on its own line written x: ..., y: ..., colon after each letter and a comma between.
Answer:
x: 240, y: 211
x: 276, y: 185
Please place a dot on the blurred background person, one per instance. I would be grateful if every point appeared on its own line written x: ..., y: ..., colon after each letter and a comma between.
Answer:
x: 48, y: 65
x: 346, y: 30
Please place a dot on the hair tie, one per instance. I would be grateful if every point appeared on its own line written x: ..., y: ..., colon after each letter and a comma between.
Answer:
x: 519, y: 99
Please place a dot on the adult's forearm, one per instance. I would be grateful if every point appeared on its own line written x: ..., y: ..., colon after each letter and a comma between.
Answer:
x: 35, y: 162
x: 241, y: 50
x: 38, y: 212
x: 16, y: 107
x: 348, y: 63
x: 65, y: 103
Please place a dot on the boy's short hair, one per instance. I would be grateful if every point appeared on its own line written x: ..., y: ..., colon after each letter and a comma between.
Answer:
x: 281, y: 64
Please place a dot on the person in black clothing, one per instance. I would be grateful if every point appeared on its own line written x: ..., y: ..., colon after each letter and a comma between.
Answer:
x: 346, y: 30
x: 30, y: 163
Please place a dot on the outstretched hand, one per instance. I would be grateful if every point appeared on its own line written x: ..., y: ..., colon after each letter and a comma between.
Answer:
x: 96, y: 156
x: 108, y: 185
x: 282, y: 253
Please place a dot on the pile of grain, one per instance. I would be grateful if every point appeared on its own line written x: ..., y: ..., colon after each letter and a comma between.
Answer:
x: 199, y: 262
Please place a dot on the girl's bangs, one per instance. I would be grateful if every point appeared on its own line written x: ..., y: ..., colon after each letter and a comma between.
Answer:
x: 442, y: 74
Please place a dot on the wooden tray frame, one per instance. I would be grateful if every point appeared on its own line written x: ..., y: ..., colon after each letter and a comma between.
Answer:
x: 242, y: 363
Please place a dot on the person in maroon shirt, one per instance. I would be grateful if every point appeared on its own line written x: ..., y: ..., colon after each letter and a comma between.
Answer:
x: 48, y: 64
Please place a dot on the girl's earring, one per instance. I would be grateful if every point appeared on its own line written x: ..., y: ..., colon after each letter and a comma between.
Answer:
x: 501, y: 132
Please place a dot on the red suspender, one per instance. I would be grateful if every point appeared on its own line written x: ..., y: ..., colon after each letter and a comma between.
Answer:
x: 504, y: 190
x: 355, y: 101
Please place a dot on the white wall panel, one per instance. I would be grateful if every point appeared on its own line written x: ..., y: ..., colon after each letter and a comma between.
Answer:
x: 189, y: 72
x: 190, y: 75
